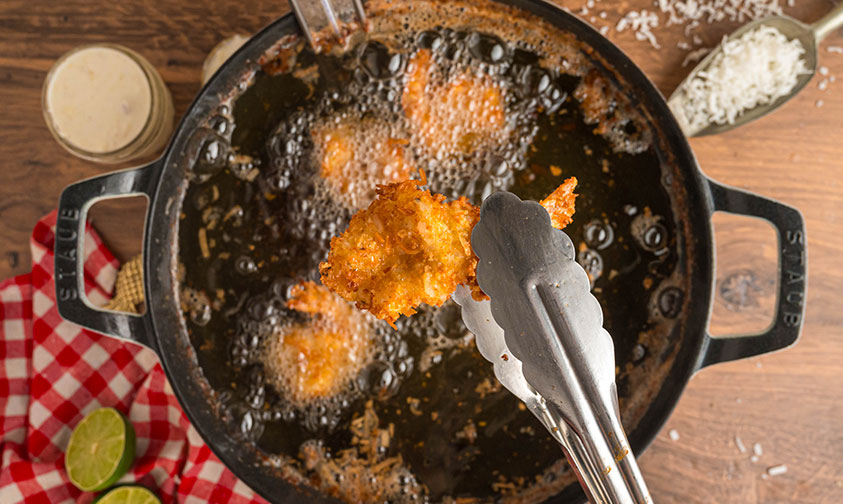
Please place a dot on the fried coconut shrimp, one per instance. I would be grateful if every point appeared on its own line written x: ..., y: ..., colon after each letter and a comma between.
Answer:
x: 357, y: 155
x: 409, y: 247
x: 319, y: 357
x: 412, y: 247
x: 455, y: 116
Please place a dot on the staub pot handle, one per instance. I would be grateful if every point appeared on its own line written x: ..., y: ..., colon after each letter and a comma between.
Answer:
x: 76, y: 199
x: 790, y: 301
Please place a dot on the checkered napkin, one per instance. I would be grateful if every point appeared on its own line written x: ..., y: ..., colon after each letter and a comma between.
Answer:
x: 53, y: 372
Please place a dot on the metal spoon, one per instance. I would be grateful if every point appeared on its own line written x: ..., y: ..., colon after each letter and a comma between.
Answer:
x: 809, y: 36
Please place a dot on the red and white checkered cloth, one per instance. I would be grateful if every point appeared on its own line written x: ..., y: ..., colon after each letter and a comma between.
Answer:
x: 53, y: 372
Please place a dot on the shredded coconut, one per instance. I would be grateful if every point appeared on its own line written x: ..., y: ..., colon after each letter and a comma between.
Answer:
x: 641, y: 22
x: 711, y: 11
x: 756, y: 449
x: 834, y: 49
x: 695, y: 55
x: 777, y: 470
x: 739, y: 444
x: 674, y: 436
x: 755, y: 69
x: 691, y: 14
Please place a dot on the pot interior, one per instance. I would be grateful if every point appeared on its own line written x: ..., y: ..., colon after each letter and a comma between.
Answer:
x: 419, y: 415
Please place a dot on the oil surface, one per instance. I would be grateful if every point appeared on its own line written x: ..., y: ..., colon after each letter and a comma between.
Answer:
x: 258, y: 217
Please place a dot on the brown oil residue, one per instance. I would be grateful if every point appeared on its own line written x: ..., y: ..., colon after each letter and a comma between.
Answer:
x: 413, y: 414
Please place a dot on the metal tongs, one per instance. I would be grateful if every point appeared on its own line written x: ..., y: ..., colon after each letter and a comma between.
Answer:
x: 543, y: 332
x: 328, y: 22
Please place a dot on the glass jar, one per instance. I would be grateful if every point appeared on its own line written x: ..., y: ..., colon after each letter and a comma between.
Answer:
x: 106, y: 103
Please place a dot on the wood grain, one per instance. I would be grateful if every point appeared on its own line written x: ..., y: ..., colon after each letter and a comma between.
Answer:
x: 791, y: 402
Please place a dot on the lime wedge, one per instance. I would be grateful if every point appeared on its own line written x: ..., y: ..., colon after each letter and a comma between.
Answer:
x: 100, y: 451
x: 128, y: 494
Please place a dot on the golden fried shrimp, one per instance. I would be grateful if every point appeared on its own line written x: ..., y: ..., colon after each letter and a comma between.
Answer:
x: 456, y: 116
x: 412, y: 247
x: 357, y: 155
x: 319, y: 357
x: 409, y: 247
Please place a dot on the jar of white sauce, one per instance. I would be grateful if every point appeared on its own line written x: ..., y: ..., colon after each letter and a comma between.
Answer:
x: 106, y: 103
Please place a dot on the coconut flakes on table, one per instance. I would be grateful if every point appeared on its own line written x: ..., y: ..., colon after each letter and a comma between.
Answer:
x: 777, y: 470
x: 695, y: 55
x: 834, y: 49
x: 755, y: 69
x: 691, y: 14
x: 740, y: 445
x: 640, y: 22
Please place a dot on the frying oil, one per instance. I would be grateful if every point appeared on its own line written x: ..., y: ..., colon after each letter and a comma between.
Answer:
x: 421, y: 415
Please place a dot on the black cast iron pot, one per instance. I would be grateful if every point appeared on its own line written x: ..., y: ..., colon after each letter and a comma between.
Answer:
x: 163, y: 182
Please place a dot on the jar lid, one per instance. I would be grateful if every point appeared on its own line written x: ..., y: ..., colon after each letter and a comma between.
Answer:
x: 97, y: 99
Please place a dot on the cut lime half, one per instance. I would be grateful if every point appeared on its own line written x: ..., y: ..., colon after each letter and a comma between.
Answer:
x: 100, y: 451
x: 128, y: 494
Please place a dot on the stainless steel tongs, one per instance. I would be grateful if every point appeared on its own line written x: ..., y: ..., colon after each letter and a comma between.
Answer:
x: 543, y: 332
x: 325, y: 22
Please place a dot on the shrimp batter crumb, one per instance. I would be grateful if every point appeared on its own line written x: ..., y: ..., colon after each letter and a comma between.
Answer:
x: 560, y: 204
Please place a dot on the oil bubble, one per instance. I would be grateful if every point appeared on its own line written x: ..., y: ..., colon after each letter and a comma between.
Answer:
x: 378, y: 379
x: 592, y: 263
x: 487, y: 48
x: 497, y: 167
x: 535, y: 80
x: 219, y: 124
x: 245, y: 265
x: 553, y: 99
x: 654, y: 237
x: 207, y: 152
x: 453, y: 51
x: 639, y: 351
x: 598, y: 234
x: 429, y: 40
x: 448, y: 321
x: 281, y: 288
x: 670, y: 302
x: 377, y: 61
x: 201, y: 315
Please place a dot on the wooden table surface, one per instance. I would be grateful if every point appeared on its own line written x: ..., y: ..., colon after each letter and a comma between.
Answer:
x: 791, y: 403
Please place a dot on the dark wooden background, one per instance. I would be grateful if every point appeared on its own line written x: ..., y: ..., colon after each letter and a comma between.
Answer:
x: 791, y: 402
